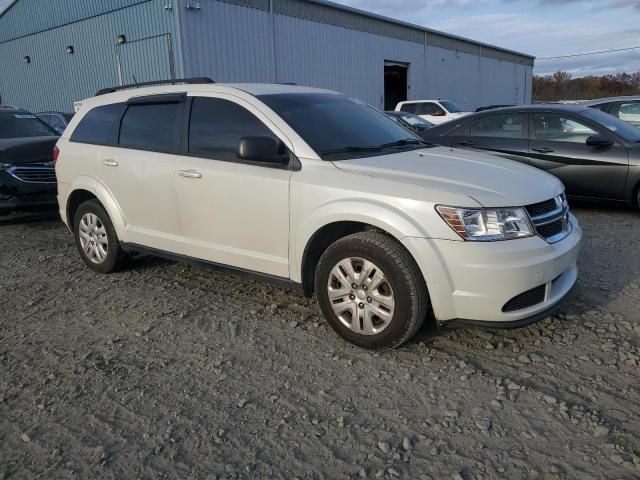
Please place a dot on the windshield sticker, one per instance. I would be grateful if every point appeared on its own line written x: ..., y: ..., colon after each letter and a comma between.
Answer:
x: 25, y: 116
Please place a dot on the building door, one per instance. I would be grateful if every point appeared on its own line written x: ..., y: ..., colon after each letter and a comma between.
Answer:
x: 145, y: 60
x: 395, y: 83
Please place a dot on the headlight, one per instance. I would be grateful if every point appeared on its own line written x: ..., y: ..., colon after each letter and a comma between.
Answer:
x: 487, y: 224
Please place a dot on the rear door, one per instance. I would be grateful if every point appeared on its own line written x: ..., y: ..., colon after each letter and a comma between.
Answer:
x: 504, y: 135
x: 558, y: 145
x: 140, y: 170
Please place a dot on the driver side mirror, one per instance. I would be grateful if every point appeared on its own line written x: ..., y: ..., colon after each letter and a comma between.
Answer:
x: 598, y: 140
x: 263, y: 149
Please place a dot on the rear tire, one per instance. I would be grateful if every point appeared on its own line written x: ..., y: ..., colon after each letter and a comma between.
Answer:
x: 96, y: 238
x: 371, y: 291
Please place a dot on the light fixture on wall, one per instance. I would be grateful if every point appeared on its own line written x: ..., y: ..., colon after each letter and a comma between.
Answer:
x: 70, y: 49
x: 120, y: 39
x: 27, y: 59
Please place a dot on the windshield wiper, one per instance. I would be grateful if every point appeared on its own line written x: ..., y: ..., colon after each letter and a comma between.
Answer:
x: 403, y: 142
x: 351, y: 149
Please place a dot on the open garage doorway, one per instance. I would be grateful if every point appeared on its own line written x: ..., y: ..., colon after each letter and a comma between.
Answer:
x: 395, y: 83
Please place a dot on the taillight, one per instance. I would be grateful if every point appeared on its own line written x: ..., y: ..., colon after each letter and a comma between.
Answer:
x: 56, y: 152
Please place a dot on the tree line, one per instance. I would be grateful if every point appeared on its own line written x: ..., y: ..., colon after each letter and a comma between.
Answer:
x: 562, y: 86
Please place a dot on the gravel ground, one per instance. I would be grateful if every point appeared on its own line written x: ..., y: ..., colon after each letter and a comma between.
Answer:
x: 173, y: 371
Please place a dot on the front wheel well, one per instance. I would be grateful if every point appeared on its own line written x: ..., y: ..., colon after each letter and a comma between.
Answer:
x: 320, y: 241
x: 77, y: 198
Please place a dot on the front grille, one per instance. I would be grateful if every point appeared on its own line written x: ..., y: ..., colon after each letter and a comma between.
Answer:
x: 551, y: 218
x: 34, y: 174
x: 542, y: 208
x: 524, y: 300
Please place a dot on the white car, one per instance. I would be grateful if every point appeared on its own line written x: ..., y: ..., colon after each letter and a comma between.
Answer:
x: 435, y: 111
x: 312, y: 188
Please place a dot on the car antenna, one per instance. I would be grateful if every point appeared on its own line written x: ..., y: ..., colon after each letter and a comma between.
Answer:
x: 134, y: 79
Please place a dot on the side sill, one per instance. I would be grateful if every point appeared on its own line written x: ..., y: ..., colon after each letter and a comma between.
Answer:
x: 176, y: 257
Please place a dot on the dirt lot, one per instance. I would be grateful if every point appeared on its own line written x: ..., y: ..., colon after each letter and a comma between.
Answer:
x: 173, y: 371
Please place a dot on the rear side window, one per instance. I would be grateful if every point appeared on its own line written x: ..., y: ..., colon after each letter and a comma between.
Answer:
x: 408, y: 107
x: 153, y: 127
x: 216, y: 127
x: 98, y: 125
x: 500, y: 126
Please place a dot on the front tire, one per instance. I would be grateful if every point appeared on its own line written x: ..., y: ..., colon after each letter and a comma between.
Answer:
x: 371, y: 291
x: 96, y: 238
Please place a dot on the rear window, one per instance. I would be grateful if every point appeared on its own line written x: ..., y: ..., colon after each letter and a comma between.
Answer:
x: 152, y: 127
x: 98, y: 125
x: 22, y: 125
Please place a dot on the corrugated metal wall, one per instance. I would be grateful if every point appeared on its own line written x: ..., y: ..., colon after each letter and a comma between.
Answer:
x: 54, y: 79
x: 314, y: 44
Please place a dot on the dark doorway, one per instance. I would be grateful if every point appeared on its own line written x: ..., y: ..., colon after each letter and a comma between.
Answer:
x: 395, y: 84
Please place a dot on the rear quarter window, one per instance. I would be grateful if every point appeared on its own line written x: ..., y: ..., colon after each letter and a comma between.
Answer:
x: 98, y: 126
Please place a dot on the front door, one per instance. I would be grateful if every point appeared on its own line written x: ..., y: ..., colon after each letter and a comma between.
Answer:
x: 558, y: 145
x: 232, y: 212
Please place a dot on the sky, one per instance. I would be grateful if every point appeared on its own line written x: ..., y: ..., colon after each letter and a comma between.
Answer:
x: 543, y: 28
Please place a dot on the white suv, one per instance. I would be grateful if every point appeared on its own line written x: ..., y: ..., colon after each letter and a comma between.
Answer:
x: 435, y: 111
x: 313, y: 188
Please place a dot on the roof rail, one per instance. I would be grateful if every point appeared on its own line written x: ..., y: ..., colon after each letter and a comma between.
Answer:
x: 194, y: 80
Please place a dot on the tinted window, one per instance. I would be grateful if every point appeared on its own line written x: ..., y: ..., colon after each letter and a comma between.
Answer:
x: 54, y: 121
x: 216, y: 127
x: 430, y: 109
x: 501, y: 126
x: 452, y: 107
x: 557, y: 128
x: 408, y: 107
x: 627, y: 131
x: 151, y: 127
x: 339, y: 127
x: 98, y: 125
x: 23, y: 124
x: 629, y: 112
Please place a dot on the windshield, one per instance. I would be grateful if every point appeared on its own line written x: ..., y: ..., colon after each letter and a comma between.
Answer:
x: 415, y: 120
x: 338, y: 127
x: 452, y: 107
x: 23, y: 124
x: 628, y: 132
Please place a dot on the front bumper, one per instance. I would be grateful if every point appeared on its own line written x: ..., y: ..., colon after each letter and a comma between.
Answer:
x: 470, y: 283
x: 16, y: 195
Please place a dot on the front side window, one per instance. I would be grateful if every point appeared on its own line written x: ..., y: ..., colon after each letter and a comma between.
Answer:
x: 430, y: 109
x: 452, y: 107
x: 625, y: 130
x: 98, y: 125
x: 152, y: 127
x: 558, y: 128
x: 22, y: 125
x: 216, y: 127
x: 501, y: 126
x: 338, y: 127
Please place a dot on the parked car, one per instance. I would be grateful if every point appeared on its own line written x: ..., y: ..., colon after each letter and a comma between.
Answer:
x: 435, y: 111
x: 27, y: 175
x: 56, y: 120
x: 311, y: 188
x: 594, y: 154
x: 416, y: 124
x: 625, y: 108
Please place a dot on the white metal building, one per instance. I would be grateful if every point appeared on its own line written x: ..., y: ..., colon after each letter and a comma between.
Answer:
x: 53, y: 53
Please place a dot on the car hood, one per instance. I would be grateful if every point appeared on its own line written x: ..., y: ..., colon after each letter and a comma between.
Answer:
x: 27, y: 150
x: 489, y: 180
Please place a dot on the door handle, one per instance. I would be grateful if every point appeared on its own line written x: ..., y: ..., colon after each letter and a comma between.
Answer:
x: 189, y: 173
x: 542, y: 150
x: 109, y: 162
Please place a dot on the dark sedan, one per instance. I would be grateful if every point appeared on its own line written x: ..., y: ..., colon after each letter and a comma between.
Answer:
x: 27, y: 174
x: 416, y: 124
x: 595, y: 154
